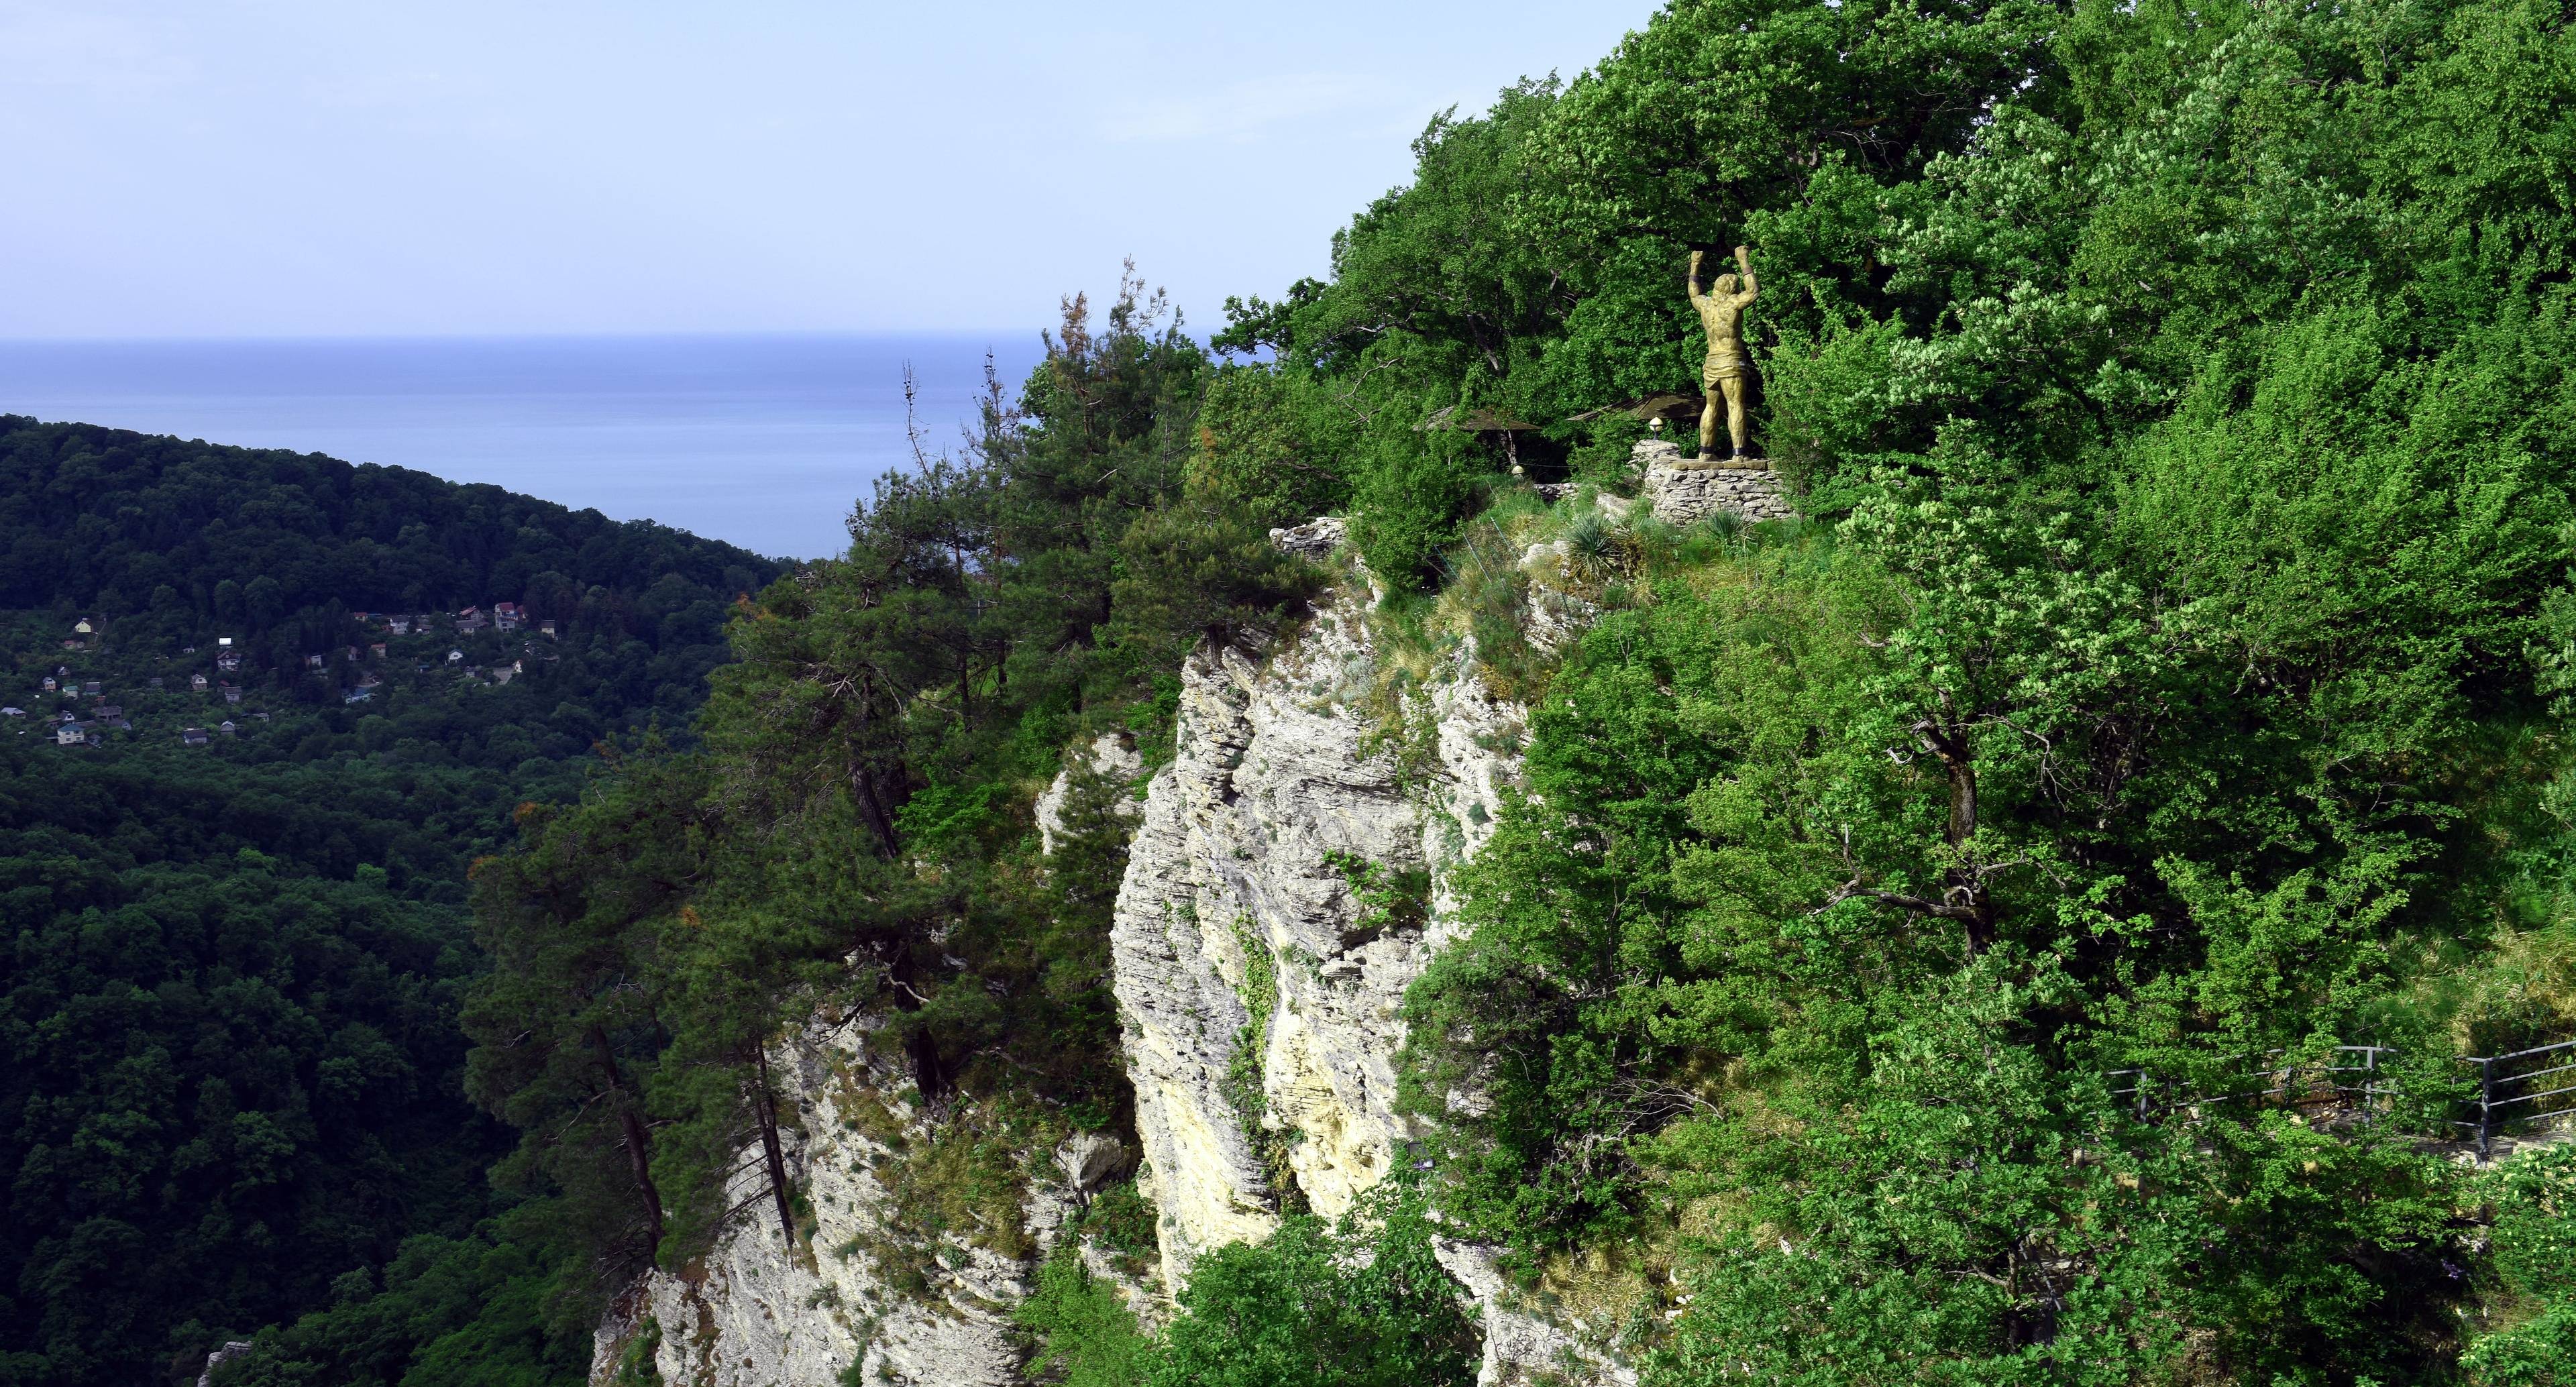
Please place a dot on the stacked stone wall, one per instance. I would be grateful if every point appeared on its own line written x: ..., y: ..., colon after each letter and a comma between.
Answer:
x: 1680, y: 492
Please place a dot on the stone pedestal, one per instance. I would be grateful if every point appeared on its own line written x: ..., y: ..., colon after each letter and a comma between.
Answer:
x: 1680, y: 491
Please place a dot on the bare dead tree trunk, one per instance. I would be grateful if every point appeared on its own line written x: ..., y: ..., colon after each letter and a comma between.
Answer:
x: 765, y: 1105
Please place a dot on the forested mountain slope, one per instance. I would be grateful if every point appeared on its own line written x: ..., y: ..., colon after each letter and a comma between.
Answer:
x: 188, y: 541
x: 234, y: 1088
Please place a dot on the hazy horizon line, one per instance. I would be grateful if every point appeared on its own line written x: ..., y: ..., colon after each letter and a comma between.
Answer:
x: 565, y: 335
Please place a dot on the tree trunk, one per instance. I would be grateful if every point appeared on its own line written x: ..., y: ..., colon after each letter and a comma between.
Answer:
x: 639, y: 1159
x: 1967, y: 884
x: 928, y: 1074
x: 868, y: 792
x: 639, y: 1147
x: 766, y: 1105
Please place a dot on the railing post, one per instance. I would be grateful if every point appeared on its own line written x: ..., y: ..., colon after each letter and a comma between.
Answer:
x: 2486, y: 1107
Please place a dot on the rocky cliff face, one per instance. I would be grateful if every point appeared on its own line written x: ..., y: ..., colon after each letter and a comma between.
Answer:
x: 1264, y: 946
x: 1289, y: 877
x: 1260, y: 991
x: 757, y: 1312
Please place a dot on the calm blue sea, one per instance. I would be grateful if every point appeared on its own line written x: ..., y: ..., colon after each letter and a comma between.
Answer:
x: 765, y: 441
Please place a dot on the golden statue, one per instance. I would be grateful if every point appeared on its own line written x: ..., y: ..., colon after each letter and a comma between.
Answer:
x: 1722, y: 313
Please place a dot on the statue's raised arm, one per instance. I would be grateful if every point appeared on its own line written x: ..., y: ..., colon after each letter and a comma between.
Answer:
x: 1744, y: 262
x: 1691, y: 284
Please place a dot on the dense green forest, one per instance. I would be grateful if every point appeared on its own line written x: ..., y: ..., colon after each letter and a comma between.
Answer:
x: 2169, y: 668
x: 235, y: 1090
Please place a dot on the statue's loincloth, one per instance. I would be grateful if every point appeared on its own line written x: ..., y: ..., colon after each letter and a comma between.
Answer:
x: 1729, y: 367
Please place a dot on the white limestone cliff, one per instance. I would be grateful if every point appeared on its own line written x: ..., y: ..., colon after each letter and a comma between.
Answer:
x: 1291, y: 771
x: 1231, y: 904
x: 1238, y: 900
x: 757, y: 1313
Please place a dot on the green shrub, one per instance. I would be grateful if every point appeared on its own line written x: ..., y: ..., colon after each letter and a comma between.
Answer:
x: 1361, y: 1303
x: 2534, y: 1248
x: 1120, y: 1220
x: 1265, y: 450
x: 1414, y: 490
x: 1083, y: 1330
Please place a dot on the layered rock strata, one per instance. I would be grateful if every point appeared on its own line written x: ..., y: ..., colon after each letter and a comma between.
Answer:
x: 1260, y: 994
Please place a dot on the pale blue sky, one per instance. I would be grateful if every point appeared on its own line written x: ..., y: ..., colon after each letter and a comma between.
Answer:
x: 295, y: 167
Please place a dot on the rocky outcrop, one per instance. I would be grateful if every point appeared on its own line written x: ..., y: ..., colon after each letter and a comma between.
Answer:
x: 1261, y: 994
x: 1522, y: 1349
x: 1260, y: 976
x: 1113, y: 757
x: 1288, y: 878
x: 1316, y: 539
x: 230, y: 1351
x: 757, y: 1312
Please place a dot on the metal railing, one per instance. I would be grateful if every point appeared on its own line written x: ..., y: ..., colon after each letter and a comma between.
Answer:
x: 2513, y: 1090
x: 2512, y: 1081
x: 2352, y: 1077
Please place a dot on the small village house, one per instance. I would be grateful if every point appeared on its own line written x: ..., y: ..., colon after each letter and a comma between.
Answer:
x: 193, y: 736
